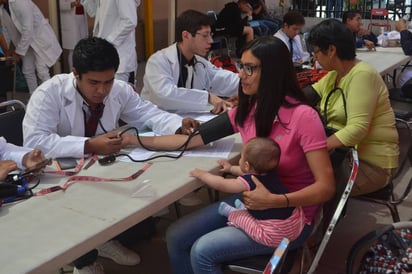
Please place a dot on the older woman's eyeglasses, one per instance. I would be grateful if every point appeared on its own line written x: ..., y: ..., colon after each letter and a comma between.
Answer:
x: 248, y: 69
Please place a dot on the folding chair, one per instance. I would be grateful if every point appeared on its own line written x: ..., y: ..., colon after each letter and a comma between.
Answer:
x: 381, y: 14
x: 386, y: 196
x: 11, y: 119
x: 342, y: 159
x: 367, y: 240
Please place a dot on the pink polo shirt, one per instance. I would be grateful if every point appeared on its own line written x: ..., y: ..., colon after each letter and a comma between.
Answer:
x: 301, y: 131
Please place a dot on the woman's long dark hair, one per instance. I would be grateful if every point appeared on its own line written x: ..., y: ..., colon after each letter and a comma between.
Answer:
x: 277, y: 79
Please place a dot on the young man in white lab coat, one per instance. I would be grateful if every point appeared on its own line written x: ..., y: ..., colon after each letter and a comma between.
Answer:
x: 34, y: 39
x: 179, y: 78
x: 75, y: 114
x: 116, y: 21
x: 57, y: 113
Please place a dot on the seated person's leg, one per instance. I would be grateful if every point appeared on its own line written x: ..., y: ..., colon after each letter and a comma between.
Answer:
x: 182, y: 234
x: 85, y: 260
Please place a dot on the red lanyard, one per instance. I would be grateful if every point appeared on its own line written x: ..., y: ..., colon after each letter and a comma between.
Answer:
x: 73, y: 179
x: 69, y: 173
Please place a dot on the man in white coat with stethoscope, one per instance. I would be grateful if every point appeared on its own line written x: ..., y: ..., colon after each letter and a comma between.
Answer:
x: 36, y: 43
x: 116, y: 21
x: 179, y: 79
x: 77, y: 114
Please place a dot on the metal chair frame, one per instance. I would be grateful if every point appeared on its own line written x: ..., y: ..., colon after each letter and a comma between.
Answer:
x: 383, y: 14
x: 386, y: 195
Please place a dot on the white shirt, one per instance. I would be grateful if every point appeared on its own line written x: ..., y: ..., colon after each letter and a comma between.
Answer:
x: 54, y: 120
x: 298, y: 53
x: 162, y: 76
x: 74, y: 26
x: 11, y: 152
x: 116, y: 21
x: 33, y: 30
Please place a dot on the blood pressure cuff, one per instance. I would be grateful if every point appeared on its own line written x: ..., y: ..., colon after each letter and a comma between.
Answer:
x: 311, y: 94
x: 216, y: 128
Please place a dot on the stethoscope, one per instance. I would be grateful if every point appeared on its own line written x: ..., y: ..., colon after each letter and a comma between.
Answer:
x: 85, y: 108
x: 201, y: 80
x: 112, y: 157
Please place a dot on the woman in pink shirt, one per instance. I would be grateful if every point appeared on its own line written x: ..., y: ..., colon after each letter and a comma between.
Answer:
x: 271, y: 104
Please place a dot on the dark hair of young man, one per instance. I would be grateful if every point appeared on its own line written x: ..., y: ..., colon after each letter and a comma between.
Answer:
x: 349, y: 15
x: 191, y: 21
x: 94, y: 54
x: 293, y: 18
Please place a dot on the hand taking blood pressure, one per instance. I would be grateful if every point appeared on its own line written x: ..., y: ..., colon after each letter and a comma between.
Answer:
x: 104, y: 144
x: 32, y: 158
x: 189, y: 125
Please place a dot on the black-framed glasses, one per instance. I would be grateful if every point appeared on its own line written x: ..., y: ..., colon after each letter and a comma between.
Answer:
x: 248, y: 69
x: 206, y: 35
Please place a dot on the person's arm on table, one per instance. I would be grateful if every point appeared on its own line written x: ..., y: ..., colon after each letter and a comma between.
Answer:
x: 320, y: 191
x: 218, y: 182
x: 210, y: 131
x: 13, y: 157
x: 103, y: 144
x: 406, y: 37
x: 227, y: 167
x: 165, y: 142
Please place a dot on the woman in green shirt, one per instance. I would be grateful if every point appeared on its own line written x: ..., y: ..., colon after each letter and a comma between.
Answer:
x: 368, y: 122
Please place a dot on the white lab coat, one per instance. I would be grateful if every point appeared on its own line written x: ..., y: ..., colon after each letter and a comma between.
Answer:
x: 162, y: 75
x: 11, y: 152
x: 298, y: 53
x: 54, y: 120
x: 74, y: 27
x: 116, y: 21
x: 34, y: 31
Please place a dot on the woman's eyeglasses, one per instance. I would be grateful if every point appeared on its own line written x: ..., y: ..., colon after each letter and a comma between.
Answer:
x: 248, y: 69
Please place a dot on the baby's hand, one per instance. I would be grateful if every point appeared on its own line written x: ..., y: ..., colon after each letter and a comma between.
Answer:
x: 225, y: 165
x: 197, y: 172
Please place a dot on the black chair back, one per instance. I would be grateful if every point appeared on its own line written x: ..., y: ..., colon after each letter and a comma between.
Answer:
x: 11, y: 119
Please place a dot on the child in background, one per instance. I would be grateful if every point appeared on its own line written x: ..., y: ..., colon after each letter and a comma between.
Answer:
x: 259, y: 158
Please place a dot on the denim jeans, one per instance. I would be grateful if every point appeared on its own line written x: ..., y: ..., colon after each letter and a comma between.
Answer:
x: 201, y: 242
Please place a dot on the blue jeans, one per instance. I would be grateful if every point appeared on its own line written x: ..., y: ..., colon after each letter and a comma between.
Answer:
x: 336, y: 5
x: 201, y: 242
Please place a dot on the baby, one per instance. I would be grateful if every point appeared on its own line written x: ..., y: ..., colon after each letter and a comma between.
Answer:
x: 260, y: 158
